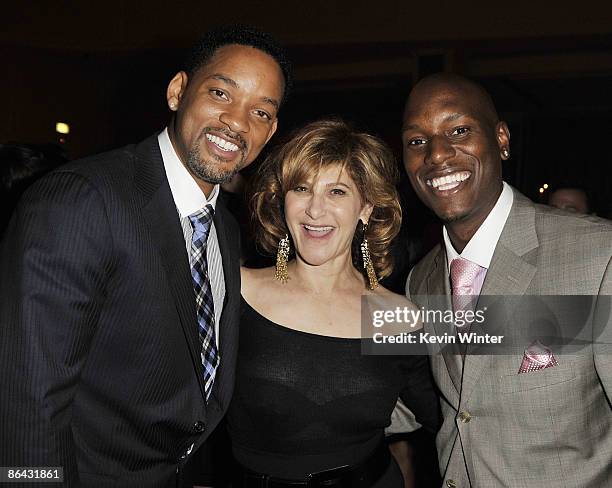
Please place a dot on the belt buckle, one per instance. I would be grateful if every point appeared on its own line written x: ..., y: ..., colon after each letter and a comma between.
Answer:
x: 339, y: 477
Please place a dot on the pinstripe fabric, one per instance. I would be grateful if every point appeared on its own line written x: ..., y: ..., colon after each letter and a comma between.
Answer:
x: 551, y: 427
x: 99, y: 349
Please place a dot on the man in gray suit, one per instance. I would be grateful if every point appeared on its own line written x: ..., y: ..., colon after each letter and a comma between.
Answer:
x: 508, y: 421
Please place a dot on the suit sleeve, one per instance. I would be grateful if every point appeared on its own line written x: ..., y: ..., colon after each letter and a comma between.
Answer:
x: 603, y: 333
x: 418, y: 405
x: 55, y: 259
x: 419, y: 394
x: 408, y: 284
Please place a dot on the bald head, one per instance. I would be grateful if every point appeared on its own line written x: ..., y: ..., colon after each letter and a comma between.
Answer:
x: 452, y: 85
x: 453, y: 147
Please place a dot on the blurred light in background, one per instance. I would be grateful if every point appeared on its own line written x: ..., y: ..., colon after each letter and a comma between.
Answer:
x: 62, y: 128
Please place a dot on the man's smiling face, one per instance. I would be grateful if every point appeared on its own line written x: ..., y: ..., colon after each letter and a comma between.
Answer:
x: 225, y: 113
x: 453, y: 146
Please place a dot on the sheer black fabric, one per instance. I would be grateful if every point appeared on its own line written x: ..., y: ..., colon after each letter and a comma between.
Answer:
x: 305, y: 402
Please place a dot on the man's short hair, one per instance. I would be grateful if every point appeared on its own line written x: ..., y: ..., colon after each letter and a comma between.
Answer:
x: 578, y: 186
x: 244, y: 35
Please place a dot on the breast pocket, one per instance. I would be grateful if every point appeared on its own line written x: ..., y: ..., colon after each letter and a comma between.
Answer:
x: 539, y: 410
x: 543, y: 378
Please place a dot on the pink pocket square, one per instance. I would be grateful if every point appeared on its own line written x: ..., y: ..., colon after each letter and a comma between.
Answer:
x: 537, y: 356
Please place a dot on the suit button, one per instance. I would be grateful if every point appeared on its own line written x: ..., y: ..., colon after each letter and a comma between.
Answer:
x: 199, y: 427
x: 465, y: 417
x: 451, y: 484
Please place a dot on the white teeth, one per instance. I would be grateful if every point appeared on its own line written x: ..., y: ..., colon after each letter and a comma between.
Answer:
x: 448, y: 186
x: 317, y: 229
x: 222, y: 143
x: 449, y: 182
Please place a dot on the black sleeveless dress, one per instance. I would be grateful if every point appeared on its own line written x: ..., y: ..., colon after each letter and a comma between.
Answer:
x: 305, y: 403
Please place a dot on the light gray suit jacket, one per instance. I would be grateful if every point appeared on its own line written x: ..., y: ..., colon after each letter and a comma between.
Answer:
x: 551, y: 427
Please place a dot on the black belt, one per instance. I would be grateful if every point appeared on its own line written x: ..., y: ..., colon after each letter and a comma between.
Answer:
x: 360, y: 475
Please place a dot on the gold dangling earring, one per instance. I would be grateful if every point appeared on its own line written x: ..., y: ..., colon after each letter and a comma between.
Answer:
x: 282, y: 256
x: 367, y: 261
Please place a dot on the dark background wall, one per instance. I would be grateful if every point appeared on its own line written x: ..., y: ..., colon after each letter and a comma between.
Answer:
x: 103, y: 68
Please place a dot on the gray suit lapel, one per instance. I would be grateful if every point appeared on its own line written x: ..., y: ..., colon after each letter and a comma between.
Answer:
x: 510, y: 273
x: 438, y: 286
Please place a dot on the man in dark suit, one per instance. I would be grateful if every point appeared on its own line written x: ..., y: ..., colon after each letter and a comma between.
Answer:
x: 118, y: 312
x: 522, y: 418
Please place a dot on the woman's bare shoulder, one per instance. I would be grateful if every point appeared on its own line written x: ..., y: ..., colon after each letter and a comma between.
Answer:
x: 382, y: 293
x: 255, y: 281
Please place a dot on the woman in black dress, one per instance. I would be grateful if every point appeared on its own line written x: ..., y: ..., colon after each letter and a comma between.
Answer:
x: 308, y: 408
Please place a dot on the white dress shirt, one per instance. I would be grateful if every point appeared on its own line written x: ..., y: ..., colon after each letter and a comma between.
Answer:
x: 482, y: 245
x: 189, y: 198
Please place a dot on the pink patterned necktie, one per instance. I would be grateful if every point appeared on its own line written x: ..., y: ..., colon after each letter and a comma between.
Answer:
x: 465, y: 282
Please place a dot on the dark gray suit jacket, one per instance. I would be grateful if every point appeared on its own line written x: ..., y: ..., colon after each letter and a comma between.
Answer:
x: 99, y: 350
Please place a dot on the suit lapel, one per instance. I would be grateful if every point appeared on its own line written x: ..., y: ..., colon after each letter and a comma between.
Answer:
x: 162, y: 218
x: 438, y: 286
x: 228, y: 329
x: 437, y: 280
x: 510, y: 273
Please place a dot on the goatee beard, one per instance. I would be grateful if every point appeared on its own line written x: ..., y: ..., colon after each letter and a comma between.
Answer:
x: 209, y: 171
x: 204, y: 170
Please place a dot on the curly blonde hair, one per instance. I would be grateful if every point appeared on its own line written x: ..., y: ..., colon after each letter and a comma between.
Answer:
x: 329, y: 142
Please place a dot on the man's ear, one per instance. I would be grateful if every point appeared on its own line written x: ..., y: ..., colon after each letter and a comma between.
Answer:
x: 176, y: 89
x: 272, y: 130
x: 502, y: 133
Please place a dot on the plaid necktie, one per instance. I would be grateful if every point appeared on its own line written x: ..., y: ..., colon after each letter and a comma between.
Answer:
x: 205, y: 308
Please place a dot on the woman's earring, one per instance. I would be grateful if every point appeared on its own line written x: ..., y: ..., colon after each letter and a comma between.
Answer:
x: 506, y: 153
x: 282, y: 256
x: 367, y: 261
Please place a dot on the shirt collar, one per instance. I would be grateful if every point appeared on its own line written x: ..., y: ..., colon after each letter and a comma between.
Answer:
x: 187, y: 195
x: 482, y: 245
